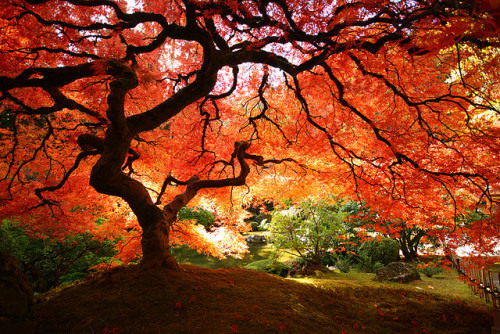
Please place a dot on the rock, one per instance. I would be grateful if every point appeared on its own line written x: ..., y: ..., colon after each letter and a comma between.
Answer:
x: 16, y: 298
x: 397, y: 272
x: 256, y: 239
x: 313, y: 269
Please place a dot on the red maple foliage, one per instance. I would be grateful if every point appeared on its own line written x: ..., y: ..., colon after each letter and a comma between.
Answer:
x: 130, y: 110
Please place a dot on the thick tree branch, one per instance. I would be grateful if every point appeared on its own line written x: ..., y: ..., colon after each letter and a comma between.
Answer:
x: 51, y: 76
x: 195, y: 184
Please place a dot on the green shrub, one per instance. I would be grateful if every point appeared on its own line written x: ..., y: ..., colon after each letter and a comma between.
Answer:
x: 202, y: 216
x: 344, y: 262
x: 49, y: 262
x: 270, y: 266
x: 375, y: 254
x: 384, y: 251
x: 368, y: 264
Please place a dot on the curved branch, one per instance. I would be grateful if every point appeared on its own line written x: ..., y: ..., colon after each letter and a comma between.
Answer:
x: 169, y: 181
x: 194, y: 184
x: 79, y: 158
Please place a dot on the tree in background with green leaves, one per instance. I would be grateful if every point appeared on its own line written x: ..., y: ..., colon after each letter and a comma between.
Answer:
x: 410, y: 238
x: 330, y: 233
x: 309, y: 230
x: 49, y: 262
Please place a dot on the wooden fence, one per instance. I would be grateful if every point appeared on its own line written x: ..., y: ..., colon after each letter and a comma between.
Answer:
x: 483, y: 282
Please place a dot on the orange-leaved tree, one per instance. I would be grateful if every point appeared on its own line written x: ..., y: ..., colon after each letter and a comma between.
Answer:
x: 162, y: 103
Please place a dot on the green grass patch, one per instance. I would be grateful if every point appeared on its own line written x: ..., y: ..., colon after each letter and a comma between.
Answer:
x: 229, y: 300
x: 445, y: 284
x: 186, y: 255
x: 257, y: 252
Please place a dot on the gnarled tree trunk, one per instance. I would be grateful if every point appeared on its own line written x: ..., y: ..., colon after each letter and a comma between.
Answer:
x: 107, y: 177
x: 155, y: 240
x: 156, y: 246
x: 155, y: 222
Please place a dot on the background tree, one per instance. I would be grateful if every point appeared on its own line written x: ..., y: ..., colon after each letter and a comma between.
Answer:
x: 116, y: 105
x: 308, y: 230
x: 408, y: 235
x: 409, y: 239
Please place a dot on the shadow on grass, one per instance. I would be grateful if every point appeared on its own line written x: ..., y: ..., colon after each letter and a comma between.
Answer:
x: 229, y: 300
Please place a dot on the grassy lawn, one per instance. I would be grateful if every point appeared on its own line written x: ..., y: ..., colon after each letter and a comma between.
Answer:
x: 257, y: 252
x: 230, y: 300
x: 444, y: 284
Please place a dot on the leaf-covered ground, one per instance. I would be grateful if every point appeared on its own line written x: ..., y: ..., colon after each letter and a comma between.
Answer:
x: 230, y: 300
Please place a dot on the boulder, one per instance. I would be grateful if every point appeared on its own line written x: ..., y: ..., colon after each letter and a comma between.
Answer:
x: 313, y: 269
x: 256, y: 239
x: 397, y: 272
x: 16, y: 298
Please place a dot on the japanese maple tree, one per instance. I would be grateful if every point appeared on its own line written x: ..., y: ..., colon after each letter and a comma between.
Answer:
x: 161, y: 103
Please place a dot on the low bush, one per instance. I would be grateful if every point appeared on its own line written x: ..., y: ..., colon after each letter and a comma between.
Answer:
x: 200, y: 215
x: 368, y: 264
x: 49, y: 262
x: 344, y: 262
x: 372, y: 255
x: 384, y: 251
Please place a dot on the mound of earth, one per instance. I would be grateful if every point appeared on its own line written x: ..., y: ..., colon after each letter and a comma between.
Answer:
x: 230, y: 300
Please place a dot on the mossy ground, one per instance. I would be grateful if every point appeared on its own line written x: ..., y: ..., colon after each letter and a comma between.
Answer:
x: 229, y: 300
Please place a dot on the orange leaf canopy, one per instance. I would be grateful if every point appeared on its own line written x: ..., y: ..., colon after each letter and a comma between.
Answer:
x: 395, y: 103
